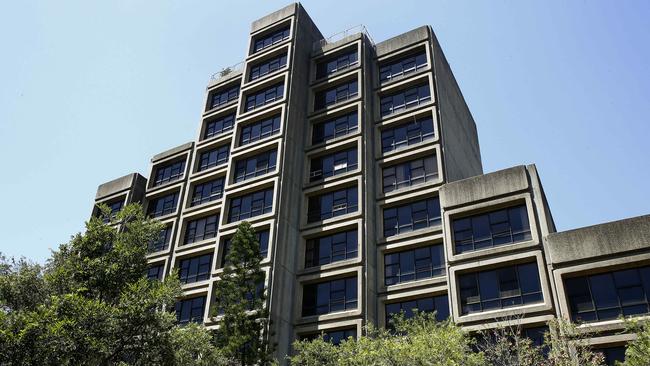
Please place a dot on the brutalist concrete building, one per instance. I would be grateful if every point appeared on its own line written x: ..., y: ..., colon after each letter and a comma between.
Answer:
x: 359, y: 166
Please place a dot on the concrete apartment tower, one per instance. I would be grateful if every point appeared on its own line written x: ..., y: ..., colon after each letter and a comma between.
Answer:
x: 359, y: 166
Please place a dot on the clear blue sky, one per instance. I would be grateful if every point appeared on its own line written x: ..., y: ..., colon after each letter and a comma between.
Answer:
x: 90, y: 90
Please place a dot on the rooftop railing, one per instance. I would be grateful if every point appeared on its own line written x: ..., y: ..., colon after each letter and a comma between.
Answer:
x: 340, y: 35
x: 226, y: 71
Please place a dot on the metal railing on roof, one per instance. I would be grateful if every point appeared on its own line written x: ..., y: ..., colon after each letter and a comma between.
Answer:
x: 226, y: 71
x: 340, y: 35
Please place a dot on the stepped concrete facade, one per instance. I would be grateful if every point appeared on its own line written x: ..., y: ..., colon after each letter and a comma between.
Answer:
x: 359, y: 166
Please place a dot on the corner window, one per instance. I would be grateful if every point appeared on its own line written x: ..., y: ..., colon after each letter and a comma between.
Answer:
x: 405, y: 99
x: 219, y: 98
x: 169, y: 173
x: 403, y: 66
x: 269, y: 39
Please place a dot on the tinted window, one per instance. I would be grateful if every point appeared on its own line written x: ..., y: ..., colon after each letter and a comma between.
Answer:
x: 190, y: 310
x: 609, y: 295
x: 164, y: 205
x: 214, y: 157
x: 169, y: 173
x: 403, y: 66
x: 410, y: 173
x: 333, y: 164
x: 114, y: 207
x: 499, y: 288
x: 332, y: 204
x: 218, y: 126
x: 162, y: 242
x: 221, y: 97
x: 250, y: 205
x: 155, y: 272
x: 268, y: 66
x: 331, y: 248
x: 506, y: 226
x: 613, y: 354
x: 206, y: 192
x: 414, y: 264
x: 335, y: 336
x: 335, y: 95
x: 195, y: 269
x: 255, y: 166
x: 439, y: 304
x: 264, y: 97
x: 411, y: 216
x: 329, y: 297
x: 407, y: 134
x: 259, y: 130
x: 262, y: 239
x: 336, y: 63
x: 269, y: 39
x: 405, y: 99
x: 201, y: 229
x: 333, y: 128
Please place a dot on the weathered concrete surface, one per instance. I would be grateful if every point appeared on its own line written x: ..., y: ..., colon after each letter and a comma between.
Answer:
x: 274, y: 17
x: 117, y: 185
x: 172, y: 151
x: 482, y: 187
x: 607, y: 239
x: 403, y: 40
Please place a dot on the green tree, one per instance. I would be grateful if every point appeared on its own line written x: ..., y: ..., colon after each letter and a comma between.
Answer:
x: 420, y: 340
x: 244, y: 326
x: 638, y: 350
x: 506, y: 346
x: 568, y: 346
x: 91, y: 304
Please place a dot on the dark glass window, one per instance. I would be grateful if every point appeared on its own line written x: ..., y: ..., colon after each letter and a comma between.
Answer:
x: 163, y: 205
x: 499, y: 288
x: 190, y: 310
x: 201, y: 229
x: 156, y: 272
x: 336, y: 94
x: 333, y: 164
x: 612, y: 354
x: 214, y: 157
x: 250, y: 205
x: 329, y: 297
x: 403, y: 66
x: 264, y: 97
x: 334, y: 336
x: 609, y: 295
x: 255, y: 166
x: 405, y: 99
x: 506, y: 226
x: 536, y: 335
x: 162, y: 242
x: 339, y: 126
x: 195, y: 269
x: 439, y: 304
x: 268, y: 66
x: 336, y: 63
x: 221, y: 97
x: 331, y: 248
x: 332, y: 204
x: 410, y: 173
x: 259, y: 130
x: 115, y: 207
x: 407, y: 134
x: 169, y: 173
x: 206, y: 192
x: 218, y: 126
x: 414, y: 264
x: 269, y: 39
x: 411, y: 216
x: 262, y: 239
